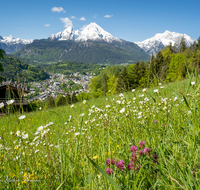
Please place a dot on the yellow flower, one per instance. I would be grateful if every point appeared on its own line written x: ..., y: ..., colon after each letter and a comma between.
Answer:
x: 95, y: 157
x: 117, y: 146
x: 113, y: 151
x: 81, y: 163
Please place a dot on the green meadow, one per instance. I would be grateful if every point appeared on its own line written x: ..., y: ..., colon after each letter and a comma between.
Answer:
x: 144, y: 139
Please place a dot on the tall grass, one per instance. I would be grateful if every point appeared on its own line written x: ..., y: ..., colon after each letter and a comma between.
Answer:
x: 67, y: 147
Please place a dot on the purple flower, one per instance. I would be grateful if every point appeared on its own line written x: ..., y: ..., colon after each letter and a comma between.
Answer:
x: 138, y: 168
x: 120, y: 164
x: 155, y: 160
x: 147, y: 151
x: 110, y: 161
x: 130, y: 166
x: 140, y: 152
x: 109, y: 171
x: 155, y: 156
x: 156, y: 121
x: 141, y: 143
x: 133, y: 158
x: 133, y: 148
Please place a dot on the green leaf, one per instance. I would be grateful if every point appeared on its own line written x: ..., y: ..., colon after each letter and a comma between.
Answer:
x: 104, y: 173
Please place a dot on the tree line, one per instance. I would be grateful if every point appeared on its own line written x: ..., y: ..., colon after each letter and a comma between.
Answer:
x: 171, y: 64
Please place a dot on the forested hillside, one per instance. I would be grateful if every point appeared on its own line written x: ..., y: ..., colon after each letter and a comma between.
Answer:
x: 15, y: 70
x: 68, y: 67
x: 171, y: 64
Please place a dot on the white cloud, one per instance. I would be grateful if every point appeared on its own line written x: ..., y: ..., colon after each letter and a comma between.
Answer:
x: 46, y: 25
x: 58, y: 9
x: 67, y: 22
x: 108, y: 16
x: 73, y: 17
x: 82, y: 18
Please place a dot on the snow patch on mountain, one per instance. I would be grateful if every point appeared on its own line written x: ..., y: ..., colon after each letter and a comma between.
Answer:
x: 91, y: 32
x: 11, y: 40
x: 161, y: 40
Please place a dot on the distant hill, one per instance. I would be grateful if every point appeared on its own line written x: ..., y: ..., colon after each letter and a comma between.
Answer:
x: 87, y: 52
x: 90, y: 45
x: 15, y: 69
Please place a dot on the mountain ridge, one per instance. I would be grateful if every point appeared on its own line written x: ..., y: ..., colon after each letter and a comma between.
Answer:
x: 161, y: 40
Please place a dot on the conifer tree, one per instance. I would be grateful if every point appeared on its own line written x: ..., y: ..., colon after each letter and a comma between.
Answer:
x: 182, y: 45
x: 104, y: 85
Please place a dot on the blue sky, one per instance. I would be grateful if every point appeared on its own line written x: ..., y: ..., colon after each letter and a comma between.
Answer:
x: 130, y: 20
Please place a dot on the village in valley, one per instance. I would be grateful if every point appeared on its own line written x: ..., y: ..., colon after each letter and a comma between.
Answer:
x: 52, y: 86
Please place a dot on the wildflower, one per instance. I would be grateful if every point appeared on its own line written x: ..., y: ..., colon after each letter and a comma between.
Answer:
x: 193, y: 83
x: 160, y: 84
x: 110, y: 161
x: 120, y: 164
x: 138, y: 168
x: 95, y: 157
x: 156, y: 121
x: 189, y: 112
x: 72, y: 105
x: 144, y: 90
x: 156, y: 91
x: 134, y: 98
x: 118, y: 101
x: 141, y: 143
x: 133, y: 148
x: 1, y: 105
x: 161, y: 87
x: 9, y: 102
x: 18, y: 133
x: 130, y: 166
x: 140, y: 113
x: 147, y: 151
x: 140, y: 152
x: 22, y: 117
x: 36, y: 151
x: 84, y: 101
x: 133, y: 90
x: 77, y: 133
x: 122, y: 110
x: 109, y: 171
x: 40, y: 128
x: 40, y: 108
x: 155, y: 156
x: 121, y: 95
x: 82, y: 115
x: 175, y: 99
x: 25, y: 136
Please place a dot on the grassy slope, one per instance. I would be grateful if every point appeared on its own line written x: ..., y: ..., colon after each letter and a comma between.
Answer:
x: 107, y: 133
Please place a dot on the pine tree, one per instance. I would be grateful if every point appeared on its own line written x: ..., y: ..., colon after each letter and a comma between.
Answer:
x: 134, y: 75
x: 104, y: 85
x: 2, y: 53
x: 182, y: 45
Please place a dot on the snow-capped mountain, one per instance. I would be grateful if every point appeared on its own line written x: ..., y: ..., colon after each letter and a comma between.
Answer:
x: 10, y: 44
x: 159, y: 41
x: 91, y: 32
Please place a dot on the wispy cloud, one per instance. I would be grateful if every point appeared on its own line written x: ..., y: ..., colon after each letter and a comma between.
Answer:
x: 46, y: 25
x: 67, y: 22
x: 108, y: 16
x: 58, y: 9
x: 82, y: 18
x: 95, y: 16
x: 73, y: 17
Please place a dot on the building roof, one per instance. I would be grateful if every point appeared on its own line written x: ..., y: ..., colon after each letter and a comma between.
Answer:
x: 14, y: 85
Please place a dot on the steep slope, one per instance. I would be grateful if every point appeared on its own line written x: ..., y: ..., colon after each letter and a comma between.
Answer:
x: 161, y: 40
x: 91, y: 32
x: 86, y: 51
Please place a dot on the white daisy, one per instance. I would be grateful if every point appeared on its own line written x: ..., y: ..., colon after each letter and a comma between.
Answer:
x: 22, y: 117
